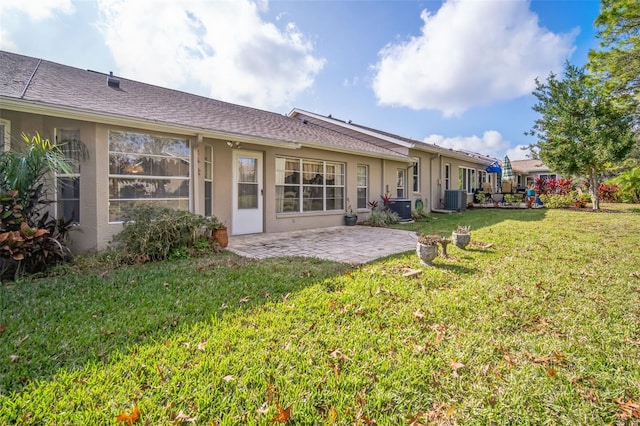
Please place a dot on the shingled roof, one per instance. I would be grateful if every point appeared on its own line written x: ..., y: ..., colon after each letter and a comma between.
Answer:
x: 388, y: 140
x: 529, y: 166
x: 43, y: 83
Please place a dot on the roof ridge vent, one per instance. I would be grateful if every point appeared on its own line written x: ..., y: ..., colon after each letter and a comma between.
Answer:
x: 113, y: 81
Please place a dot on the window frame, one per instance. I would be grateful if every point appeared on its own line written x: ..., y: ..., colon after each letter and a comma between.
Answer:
x: 182, y: 143
x: 304, y: 189
x: 447, y: 176
x: 207, y: 173
x: 74, y: 176
x: 416, y: 176
x: 466, y: 179
x: 364, y: 187
x: 401, y: 183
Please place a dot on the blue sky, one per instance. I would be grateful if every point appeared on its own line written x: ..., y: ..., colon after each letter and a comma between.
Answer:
x: 458, y: 73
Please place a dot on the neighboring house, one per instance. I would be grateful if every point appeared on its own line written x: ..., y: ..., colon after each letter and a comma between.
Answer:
x: 435, y: 169
x: 526, y: 171
x: 257, y: 171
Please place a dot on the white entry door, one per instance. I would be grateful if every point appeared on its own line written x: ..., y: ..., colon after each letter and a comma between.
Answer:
x: 247, y: 193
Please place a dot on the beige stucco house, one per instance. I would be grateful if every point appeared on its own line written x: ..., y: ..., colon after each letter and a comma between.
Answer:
x: 257, y: 171
x: 527, y: 171
x: 435, y: 169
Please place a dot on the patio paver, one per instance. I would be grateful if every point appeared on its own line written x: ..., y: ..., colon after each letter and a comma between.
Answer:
x: 348, y: 244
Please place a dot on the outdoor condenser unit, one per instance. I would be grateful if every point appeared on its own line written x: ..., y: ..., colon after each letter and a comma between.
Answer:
x: 455, y: 199
x: 402, y: 207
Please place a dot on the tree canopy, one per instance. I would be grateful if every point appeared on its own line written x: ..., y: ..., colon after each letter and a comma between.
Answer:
x: 617, y: 62
x: 581, y: 128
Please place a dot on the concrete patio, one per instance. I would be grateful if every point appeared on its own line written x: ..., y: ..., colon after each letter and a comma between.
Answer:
x: 349, y: 244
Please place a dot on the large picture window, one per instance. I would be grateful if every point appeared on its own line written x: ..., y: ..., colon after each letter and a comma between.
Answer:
x: 68, y: 184
x: 147, y: 169
x: 466, y: 179
x: 309, y: 185
x: 363, y: 186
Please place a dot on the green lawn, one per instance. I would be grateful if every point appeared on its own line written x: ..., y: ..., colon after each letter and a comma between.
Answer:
x: 543, y: 327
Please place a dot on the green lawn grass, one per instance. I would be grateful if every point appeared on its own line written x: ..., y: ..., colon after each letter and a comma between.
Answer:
x: 543, y: 327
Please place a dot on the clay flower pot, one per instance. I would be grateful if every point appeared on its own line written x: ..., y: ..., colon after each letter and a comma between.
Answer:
x: 221, y: 236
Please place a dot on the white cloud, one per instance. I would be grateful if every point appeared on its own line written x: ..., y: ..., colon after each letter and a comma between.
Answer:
x: 519, y: 152
x: 36, y: 10
x: 491, y: 143
x: 6, y: 43
x: 222, y: 46
x: 469, y: 53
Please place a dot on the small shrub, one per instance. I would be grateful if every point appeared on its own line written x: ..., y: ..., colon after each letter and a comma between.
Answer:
x: 153, y: 233
x: 556, y: 201
x: 419, y: 214
x: 381, y: 218
x: 608, y: 192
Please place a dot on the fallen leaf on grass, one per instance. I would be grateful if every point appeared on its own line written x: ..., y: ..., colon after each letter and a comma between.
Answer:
x: 14, y: 358
x: 551, y: 371
x: 129, y: 418
x: 228, y: 378
x: 629, y: 409
x: 332, y: 416
x: 201, y: 346
x: 21, y: 341
x: 283, y: 416
x: 244, y: 300
x: 181, y: 417
x: 3, y: 327
x: 455, y: 366
x: 418, y: 315
x: 415, y: 420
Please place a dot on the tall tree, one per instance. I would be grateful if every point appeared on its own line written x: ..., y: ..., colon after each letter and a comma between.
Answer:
x: 581, y: 128
x: 618, y: 60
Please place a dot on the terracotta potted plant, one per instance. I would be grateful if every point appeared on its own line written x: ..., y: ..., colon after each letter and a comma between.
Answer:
x: 219, y: 233
x: 461, y: 237
x: 427, y: 248
x: 220, y: 236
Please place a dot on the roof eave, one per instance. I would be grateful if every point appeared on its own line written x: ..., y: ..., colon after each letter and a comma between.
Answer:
x: 401, y: 159
x: 33, y: 107
x: 344, y: 125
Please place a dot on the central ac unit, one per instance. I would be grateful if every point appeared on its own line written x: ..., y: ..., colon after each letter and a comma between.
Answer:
x: 455, y: 199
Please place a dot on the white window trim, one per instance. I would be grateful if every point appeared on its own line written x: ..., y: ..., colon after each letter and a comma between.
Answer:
x: 324, y: 186
x: 148, y: 177
x: 468, y: 182
x: 416, y: 176
x: 447, y: 176
x: 366, y: 186
x: 209, y: 149
x: 73, y: 175
x: 401, y: 184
